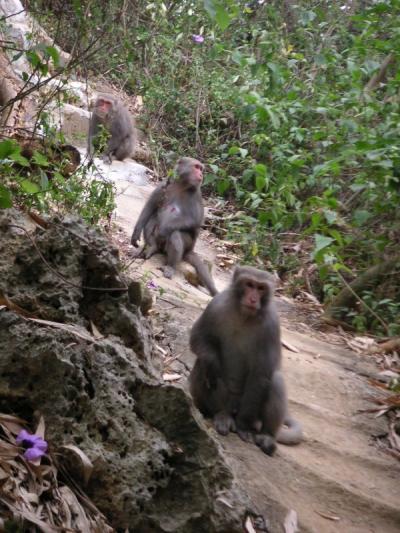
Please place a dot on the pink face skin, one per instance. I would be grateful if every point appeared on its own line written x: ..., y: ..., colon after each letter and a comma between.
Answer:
x: 103, y: 107
x: 253, y: 295
x: 198, y: 172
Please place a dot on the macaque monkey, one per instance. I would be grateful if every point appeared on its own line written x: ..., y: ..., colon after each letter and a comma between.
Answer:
x: 109, y: 112
x: 171, y: 221
x: 237, y: 377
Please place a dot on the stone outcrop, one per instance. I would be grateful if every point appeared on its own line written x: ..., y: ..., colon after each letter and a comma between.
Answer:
x: 95, y: 381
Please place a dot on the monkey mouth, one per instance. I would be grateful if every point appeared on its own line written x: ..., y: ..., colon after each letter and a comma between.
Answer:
x: 250, y: 309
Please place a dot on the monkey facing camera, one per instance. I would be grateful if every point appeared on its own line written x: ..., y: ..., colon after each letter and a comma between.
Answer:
x: 171, y: 221
x: 237, y: 379
x: 109, y: 113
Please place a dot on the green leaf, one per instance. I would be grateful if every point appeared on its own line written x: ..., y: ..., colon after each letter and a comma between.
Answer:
x: 17, y: 56
x: 260, y: 182
x: 233, y: 150
x: 20, y: 159
x: 7, y: 147
x: 254, y: 249
x: 40, y: 159
x: 33, y: 58
x: 222, y: 18
x: 53, y: 53
x: 321, y: 242
x: 209, y: 178
x: 29, y: 187
x: 386, y: 163
x: 331, y: 216
x: 260, y: 168
x: 223, y: 185
x: 237, y: 57
x: 5, y: 197
x: 361, y: 216
x: 210, y: 7
x: 44, y: 180
x: 336, y: 235
x: 263, y: 217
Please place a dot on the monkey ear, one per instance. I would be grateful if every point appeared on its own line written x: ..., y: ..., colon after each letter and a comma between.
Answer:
x: 237, y: 272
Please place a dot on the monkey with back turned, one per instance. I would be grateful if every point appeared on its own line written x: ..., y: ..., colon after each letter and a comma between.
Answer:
x: 237, y: 378
x: 171, y: 221
x: 110, y: 113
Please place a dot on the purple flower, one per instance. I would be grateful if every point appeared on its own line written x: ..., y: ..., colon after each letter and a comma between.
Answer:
x: 34, y: 445
x: 152, y: 285
x: 198, y: 39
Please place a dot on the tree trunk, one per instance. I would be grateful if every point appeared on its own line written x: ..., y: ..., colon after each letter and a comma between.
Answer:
x: 370, y: 278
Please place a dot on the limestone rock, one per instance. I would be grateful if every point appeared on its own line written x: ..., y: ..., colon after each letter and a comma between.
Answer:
x: 156, y: 467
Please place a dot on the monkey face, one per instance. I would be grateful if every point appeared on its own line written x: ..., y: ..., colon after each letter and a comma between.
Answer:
x: 103, y: 107
x: 254, y: 296
x: 198, y: 172
x: 253, y: 288
x: 191, y: 170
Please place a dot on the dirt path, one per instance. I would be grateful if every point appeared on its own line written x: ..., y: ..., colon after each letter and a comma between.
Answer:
x: 337, y: 480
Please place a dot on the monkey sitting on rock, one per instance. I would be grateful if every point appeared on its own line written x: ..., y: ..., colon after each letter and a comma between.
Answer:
x: 237, y: 378
x: 110, y: 113
x: 171, y: 221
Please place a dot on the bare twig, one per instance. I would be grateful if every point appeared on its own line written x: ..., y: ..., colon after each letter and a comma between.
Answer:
x: 378, y: 77
x: 363, y: 303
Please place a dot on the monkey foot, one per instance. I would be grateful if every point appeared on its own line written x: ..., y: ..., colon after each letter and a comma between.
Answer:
x: 107, y: 160
x: 266, y: 443
x: 246, y: 436
x: 168, y: 272
x: 224, y: 423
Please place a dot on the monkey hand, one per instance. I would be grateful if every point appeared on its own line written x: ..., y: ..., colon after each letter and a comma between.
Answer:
x: 134, y: 240
x: 223, y: 423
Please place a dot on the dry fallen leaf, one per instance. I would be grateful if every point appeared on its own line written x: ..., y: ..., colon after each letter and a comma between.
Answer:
x: 361, y: 344
x: 6, y: 302
x: 171, y: 377
x: 12, y: 423
x: 249, y: 525
x: 290, y: 523
x: 95, y: 331
x: 225, y: 502
x: 289, y: 346
x: 388, y: 346
x: 86, y: 464
x: 394, y: 438
x: 75, y: 330
x: 32, y: 495
x: 334, y: 518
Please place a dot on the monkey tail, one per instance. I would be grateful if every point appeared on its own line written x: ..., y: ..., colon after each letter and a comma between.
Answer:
x: 291, y: 433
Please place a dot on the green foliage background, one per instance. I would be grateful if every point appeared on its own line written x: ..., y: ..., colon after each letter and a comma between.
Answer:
x: 277, y: 101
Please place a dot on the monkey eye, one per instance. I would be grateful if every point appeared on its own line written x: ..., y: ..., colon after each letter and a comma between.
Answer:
x: 250, y: 284
x: 198, y: 167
